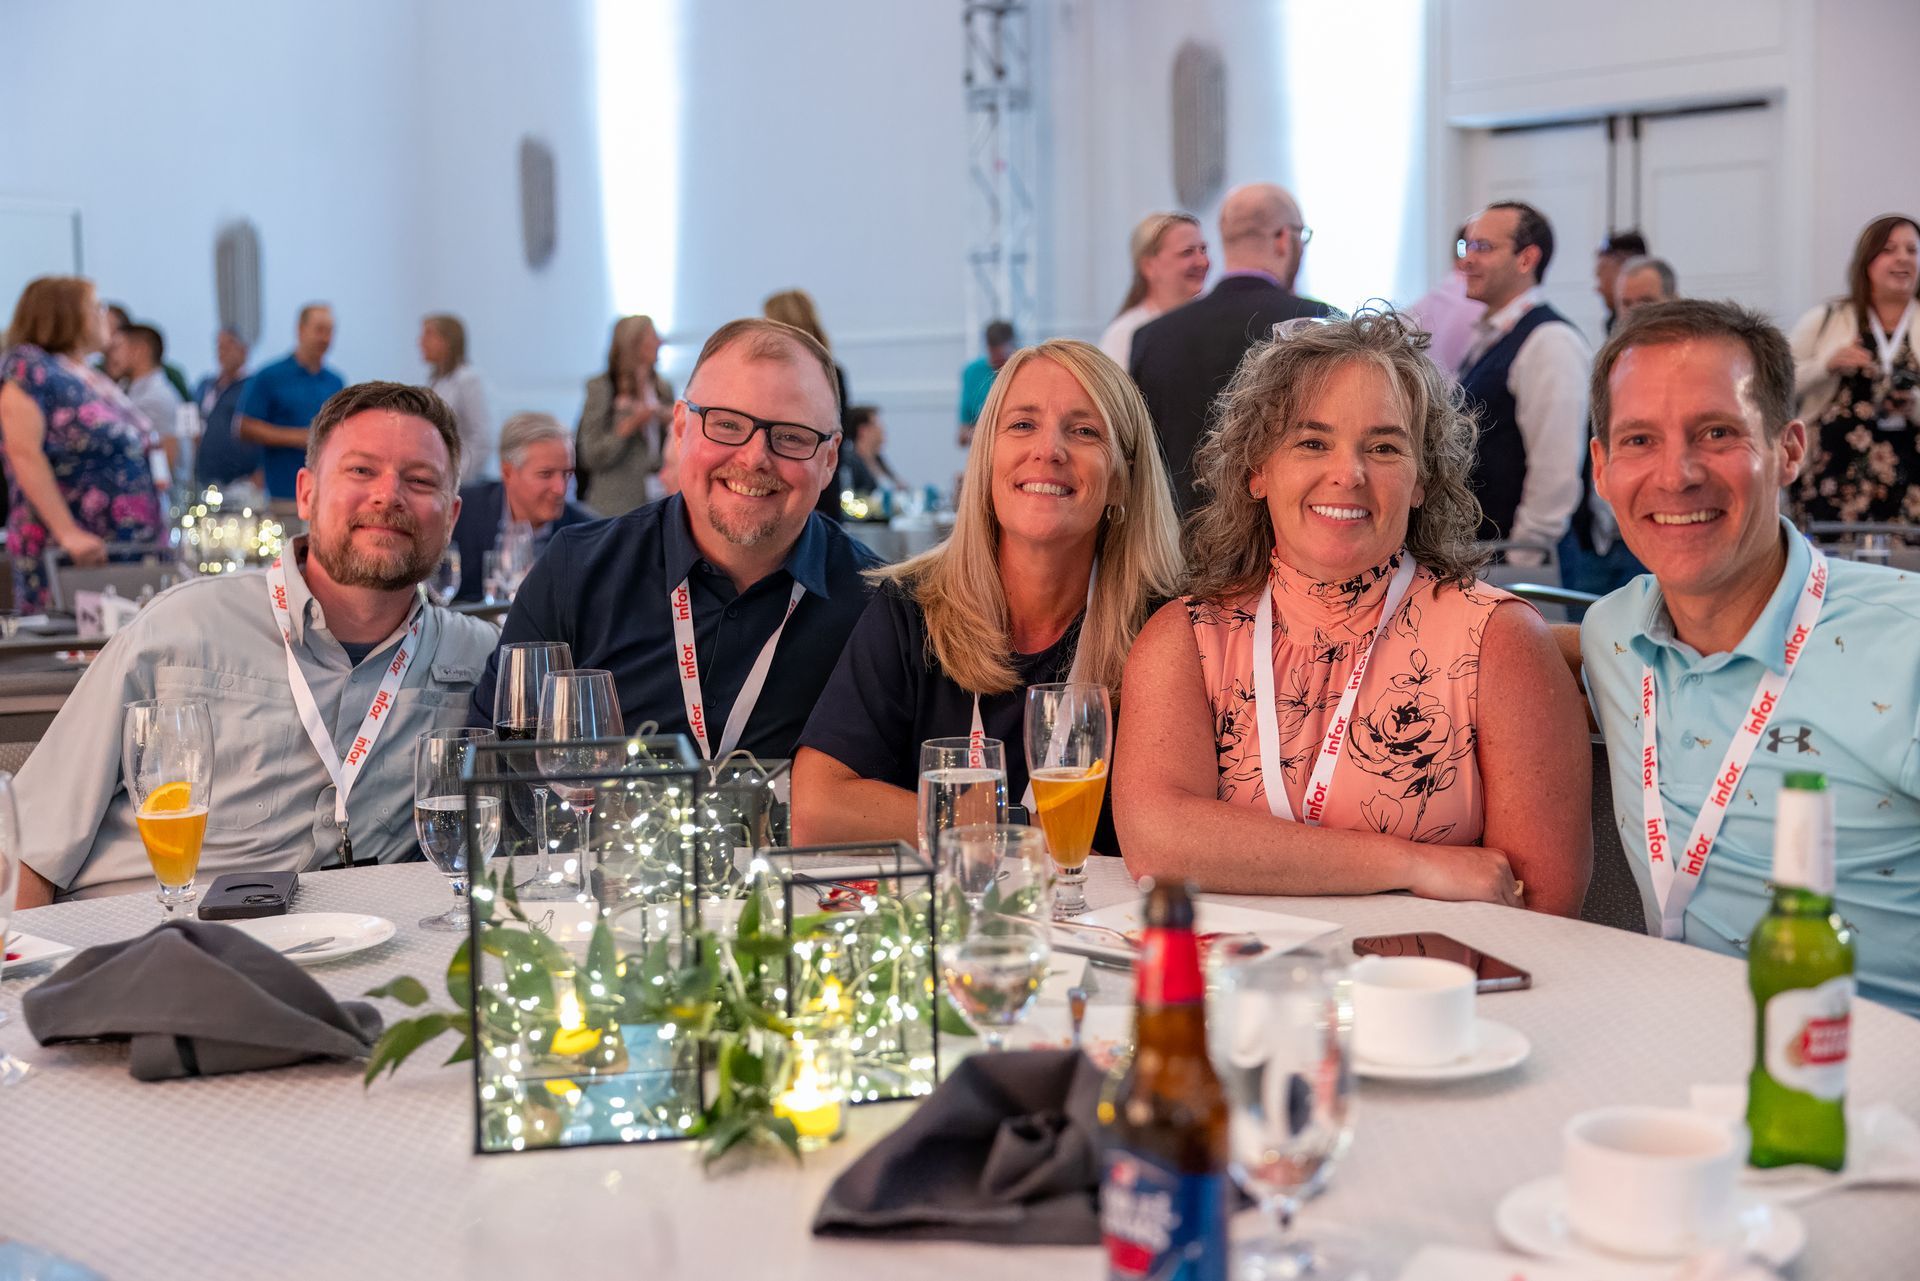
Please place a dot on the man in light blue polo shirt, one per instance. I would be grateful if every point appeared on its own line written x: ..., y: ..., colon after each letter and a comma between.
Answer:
x: 281, y: 400
x: 1694, y: 436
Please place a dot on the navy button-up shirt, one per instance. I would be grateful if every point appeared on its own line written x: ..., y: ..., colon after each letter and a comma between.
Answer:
x: 603, y: 588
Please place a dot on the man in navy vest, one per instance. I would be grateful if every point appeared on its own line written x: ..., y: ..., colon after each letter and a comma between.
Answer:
x: 1525, y: 377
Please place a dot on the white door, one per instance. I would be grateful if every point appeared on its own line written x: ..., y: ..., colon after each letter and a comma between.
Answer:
x: 1562, y: 172
x: 1710, y: 201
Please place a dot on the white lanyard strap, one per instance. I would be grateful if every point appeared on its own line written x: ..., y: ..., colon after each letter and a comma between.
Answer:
x: 343, y: 773
x: 1889, y: 344
x: 1334, y: 741
x: 1076, y: 673
x: 1676, y: 877
x: 689, y: 659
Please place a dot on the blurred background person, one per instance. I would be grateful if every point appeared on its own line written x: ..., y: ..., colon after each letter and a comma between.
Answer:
x: 443, y: 345
x: 76, y: 449
x: 1445, y: 311
x: 1856, y: 362
x: 1607, y: 261
x: 617, y: 444
x: 142, y: 347
x: 976, y: 379
x: 796, y: 307
x: 281, y: 399
x: 863, y: 467
x: 118, y: 319
x: 536, y: 466
x: 224, y: 459
x: 1644, y: 280
x: 1169, y: 268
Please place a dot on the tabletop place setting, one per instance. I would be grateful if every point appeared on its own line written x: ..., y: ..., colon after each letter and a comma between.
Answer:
x: 635, y: 952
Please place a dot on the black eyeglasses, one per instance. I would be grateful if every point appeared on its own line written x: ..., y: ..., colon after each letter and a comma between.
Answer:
x: 731, y: 427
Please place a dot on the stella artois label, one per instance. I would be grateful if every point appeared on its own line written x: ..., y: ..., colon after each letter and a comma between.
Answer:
x: 1805, y: 1034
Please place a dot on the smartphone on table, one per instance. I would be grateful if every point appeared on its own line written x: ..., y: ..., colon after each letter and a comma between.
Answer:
x: 1494, y: 974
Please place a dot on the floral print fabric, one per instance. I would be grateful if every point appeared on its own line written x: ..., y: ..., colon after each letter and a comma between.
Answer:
x: 1856, y: 470
x: 1409, y: 767
x: 96, y: 443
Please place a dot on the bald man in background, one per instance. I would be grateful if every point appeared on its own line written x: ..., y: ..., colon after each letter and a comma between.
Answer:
x: 1182, y: 360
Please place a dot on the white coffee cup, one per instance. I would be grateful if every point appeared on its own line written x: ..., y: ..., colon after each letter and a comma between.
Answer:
x: 1648, y: 1181
x: 1412, y: 1011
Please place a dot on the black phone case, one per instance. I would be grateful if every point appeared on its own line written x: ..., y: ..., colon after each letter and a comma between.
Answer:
x: 239, y: 896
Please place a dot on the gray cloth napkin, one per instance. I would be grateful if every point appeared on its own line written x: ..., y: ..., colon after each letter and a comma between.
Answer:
x: 1006, y: 1151
x: 198, y: 999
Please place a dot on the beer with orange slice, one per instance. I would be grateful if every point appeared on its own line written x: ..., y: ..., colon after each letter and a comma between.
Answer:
x: 172, y: 828
x: 1068, y: 799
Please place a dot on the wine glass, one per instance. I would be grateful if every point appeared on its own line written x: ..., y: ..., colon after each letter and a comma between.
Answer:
x: 579, y: 709
x: 962, y: 783
x: 1278, y: 1034
x: 445, y: 583
x: 454, y: 840
x: 1069, y: 742
x: 12, y: 1070
x: 515, y: 546
x: 166, y: 757
x: 523, y: 673
x: 995, y: 947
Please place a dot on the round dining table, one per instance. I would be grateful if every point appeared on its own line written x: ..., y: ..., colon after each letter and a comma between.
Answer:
x: 302, y: 1172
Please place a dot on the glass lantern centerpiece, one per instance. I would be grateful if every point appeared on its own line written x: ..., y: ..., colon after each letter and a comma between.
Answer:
x: 581, y: 1034
x: 845, y: 947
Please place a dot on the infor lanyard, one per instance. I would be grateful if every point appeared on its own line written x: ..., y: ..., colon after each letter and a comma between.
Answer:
x: 343, y: 773
x: 1889, y: 344
x: 689, y: 660
x: 1673, y: 885
x: 1075, y: 672
x: 1334, y: 741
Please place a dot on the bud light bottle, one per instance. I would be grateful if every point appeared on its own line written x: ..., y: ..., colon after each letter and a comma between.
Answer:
x: 1164, y: 1195
x: 1800, y: 969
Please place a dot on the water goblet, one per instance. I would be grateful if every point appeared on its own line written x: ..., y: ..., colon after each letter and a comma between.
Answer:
x: 524, y: 667
x: 1278, y: 1035
x: 458, y: 825
x: 995, y: 946
x: 963, y: 782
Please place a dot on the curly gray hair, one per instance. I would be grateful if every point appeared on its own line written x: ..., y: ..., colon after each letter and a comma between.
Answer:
x: 1228, y: 541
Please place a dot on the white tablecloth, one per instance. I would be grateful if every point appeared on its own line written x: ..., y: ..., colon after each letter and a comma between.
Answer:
x: 301, y: 1173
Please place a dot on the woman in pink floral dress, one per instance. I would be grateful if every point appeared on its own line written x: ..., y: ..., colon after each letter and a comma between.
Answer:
x: 1338, y: 706
x: 75, y: 447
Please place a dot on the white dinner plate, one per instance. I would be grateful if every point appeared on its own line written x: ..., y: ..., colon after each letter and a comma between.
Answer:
x: 30, y: 949
x: 1533, y: 1218
x: 351, y: 932
x: 1276, y: 929
x: 1496, y: 1047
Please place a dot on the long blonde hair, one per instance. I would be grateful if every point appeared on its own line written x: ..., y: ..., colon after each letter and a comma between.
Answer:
x: 957, y: 584
x: 1144, y: 244
x: 796, y: 307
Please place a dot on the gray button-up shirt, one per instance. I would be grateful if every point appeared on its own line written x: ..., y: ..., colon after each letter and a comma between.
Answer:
x: 272, y: 801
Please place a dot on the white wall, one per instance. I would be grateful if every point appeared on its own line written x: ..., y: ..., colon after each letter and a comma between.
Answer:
x: 374, y: 146
x: 1841, y: 72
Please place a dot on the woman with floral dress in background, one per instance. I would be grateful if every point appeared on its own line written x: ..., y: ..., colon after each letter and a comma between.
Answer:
x: 76, y: 449
x: 1856, y: 364
x: 1338, y: 707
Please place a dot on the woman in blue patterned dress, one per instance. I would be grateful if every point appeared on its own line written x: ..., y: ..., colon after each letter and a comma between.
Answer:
x: 75, y: 447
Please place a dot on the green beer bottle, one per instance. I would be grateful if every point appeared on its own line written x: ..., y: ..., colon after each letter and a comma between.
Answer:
x: 1800, y: 969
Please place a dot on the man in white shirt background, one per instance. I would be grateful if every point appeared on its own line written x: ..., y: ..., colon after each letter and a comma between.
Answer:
x: 1525, y: 377
x: 141, y: 349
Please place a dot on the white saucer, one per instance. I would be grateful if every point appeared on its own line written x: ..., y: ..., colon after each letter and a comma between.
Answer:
x: 351, y: 931
x: 1533, y: 1218
x: 1497, y: 1047
x: 27, y: 949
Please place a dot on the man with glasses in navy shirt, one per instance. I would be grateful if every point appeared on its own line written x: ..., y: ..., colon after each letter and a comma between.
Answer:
x: 721, y: 610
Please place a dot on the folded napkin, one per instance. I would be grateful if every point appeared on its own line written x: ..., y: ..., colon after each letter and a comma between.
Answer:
x: 1006, y: 1151
x: 1883, y: 1148
x: 198, y: 999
